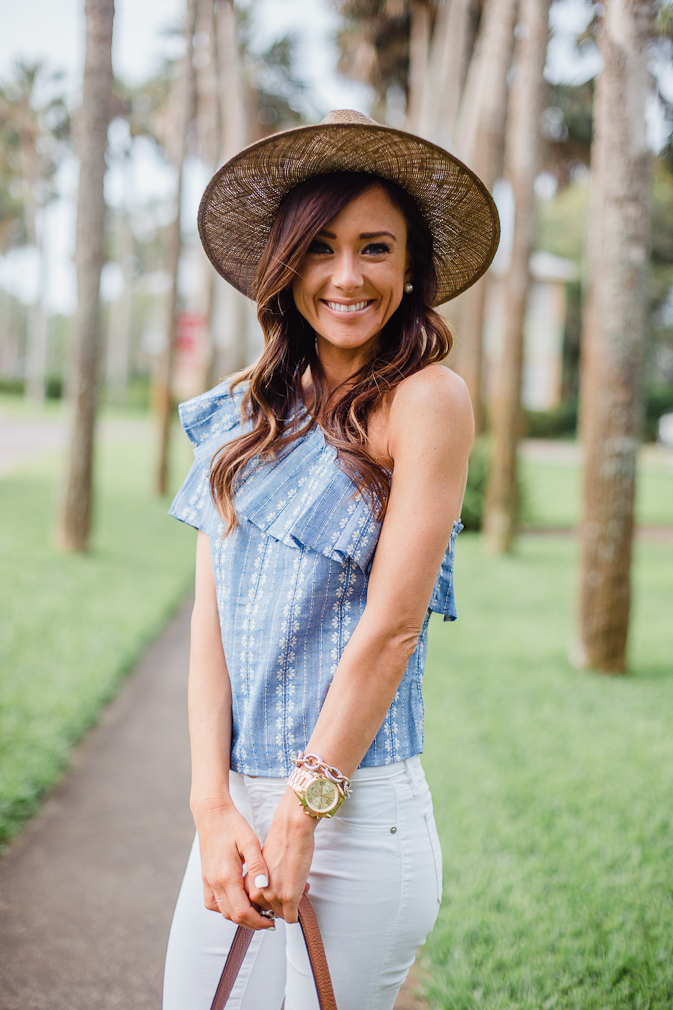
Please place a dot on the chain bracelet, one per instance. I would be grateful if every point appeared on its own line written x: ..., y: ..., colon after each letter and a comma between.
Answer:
x: 315, y: 763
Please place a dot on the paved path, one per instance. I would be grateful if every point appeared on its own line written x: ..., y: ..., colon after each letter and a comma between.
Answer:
x: 23, y: 438
x: 87, y: 891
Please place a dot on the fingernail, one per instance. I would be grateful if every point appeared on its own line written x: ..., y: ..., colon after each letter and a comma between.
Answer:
x: 244, y: 868
x: 271, y: 929
x: 261, y: 880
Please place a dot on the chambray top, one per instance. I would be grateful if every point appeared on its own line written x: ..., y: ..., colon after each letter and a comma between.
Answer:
x: 291, y: 584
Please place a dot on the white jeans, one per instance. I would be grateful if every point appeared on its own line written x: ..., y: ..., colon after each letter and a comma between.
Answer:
x: 376, y: 881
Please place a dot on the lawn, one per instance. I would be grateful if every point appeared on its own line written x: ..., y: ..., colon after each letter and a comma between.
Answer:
x: 72, y: 626
x: 553, y: 791
x: 552, y: 490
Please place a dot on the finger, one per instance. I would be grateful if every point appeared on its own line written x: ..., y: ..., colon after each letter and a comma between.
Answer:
x: 290, y: 913
x: 209, y: 899
x: 257, y: 876
x: 244, y: 914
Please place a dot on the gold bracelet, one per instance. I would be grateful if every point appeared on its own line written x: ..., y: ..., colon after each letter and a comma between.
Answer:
x: 319, y: 787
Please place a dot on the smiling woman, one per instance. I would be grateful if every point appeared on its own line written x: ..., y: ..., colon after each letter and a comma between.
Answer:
x: 326, y: 488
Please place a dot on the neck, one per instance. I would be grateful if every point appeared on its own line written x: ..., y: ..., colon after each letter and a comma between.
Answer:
x: 339, y: 364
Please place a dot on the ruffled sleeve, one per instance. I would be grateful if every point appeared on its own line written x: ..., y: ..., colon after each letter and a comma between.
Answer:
x: 210, y: 420
x: 304, y: 499
x: 443, y: 600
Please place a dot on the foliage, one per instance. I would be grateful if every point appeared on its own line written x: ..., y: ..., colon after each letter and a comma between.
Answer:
x: 373, y: 42
x: 477, y: 477
x: 72, y: 625
x: 34, y: 132
x: 559, y: 422
x: 567, y: 125
x: 551, y: 791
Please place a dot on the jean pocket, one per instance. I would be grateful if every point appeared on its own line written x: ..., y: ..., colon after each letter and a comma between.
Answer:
x: 433, y: 838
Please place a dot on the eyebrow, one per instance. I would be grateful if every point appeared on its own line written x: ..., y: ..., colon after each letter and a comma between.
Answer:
x: 364, y: 234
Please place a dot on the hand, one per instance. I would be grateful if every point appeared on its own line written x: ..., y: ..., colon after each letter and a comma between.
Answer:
x: 288, y: 851
x: 226, y: 841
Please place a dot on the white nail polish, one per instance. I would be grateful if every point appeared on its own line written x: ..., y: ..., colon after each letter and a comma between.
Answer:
x: 261, y: 880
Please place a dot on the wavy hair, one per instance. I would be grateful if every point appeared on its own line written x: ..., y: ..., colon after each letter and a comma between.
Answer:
x: 415, y: 336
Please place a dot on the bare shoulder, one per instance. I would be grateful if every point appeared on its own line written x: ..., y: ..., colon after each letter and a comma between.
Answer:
x: 434, y: 401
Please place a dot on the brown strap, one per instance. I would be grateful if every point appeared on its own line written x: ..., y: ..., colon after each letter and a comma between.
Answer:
x: 232, y: 966
x: 316, y: 953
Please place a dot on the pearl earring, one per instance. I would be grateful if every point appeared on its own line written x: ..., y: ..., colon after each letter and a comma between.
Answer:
x: 408, y: 288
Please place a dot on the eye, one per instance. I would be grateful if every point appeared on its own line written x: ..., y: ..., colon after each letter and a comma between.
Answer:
x: 377, y: 249
x: 318, y: 247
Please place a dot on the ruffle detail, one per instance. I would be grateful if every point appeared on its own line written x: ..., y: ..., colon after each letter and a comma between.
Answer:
x: 443, y: 600
x: 302, y: 498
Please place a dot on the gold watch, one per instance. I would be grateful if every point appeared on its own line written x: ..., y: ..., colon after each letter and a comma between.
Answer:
x: 320, y: 788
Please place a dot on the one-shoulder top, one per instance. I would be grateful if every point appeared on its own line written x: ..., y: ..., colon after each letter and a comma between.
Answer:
x: 291, y: 583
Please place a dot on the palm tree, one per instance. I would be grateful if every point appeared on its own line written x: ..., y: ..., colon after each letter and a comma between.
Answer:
x: 32, y: 143
x: 479, y: 139
x: 614, y: 331
x: 522, y: 155
x: 185, y: 104
x: 94, y: 119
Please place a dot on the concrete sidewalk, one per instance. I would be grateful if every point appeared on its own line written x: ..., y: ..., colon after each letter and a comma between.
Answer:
x: 88, y: 890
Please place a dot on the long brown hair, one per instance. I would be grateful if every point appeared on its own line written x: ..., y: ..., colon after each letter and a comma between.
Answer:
x: 414, y: 336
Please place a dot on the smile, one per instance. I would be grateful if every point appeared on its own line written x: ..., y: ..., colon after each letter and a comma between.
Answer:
x: 341, y: 307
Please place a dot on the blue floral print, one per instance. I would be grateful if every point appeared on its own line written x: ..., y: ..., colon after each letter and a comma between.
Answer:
x: 291, y: 583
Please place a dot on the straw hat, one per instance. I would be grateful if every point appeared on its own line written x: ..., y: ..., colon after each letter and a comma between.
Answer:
x: 242, y: 199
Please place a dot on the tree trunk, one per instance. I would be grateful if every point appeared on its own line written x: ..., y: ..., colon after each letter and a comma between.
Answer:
x: 95, y: 113
x: 228, y: 306
x: 163, y: 396
x: 522, y: 164
x: 120, y: 319
x: 447, y: 64
x: 419, y: 51
x: 614, y: 334
x: 480, y: 142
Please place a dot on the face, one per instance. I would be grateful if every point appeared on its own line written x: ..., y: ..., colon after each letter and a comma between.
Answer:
x: 352, y: 278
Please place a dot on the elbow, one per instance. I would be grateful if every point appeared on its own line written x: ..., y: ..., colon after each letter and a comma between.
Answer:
x: 403, y: 640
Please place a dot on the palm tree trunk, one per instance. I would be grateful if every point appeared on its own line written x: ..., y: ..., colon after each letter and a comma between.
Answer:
x: 419, y: 51
x: 614, y: 332
x: 445, y: 77
x: 480, y: 142
x: 522, y: 164
x: 163, y: 395
x: 75, y: 522
x: 228, y: 306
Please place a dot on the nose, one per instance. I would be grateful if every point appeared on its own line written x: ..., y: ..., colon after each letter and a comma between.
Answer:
x: 346, y: 274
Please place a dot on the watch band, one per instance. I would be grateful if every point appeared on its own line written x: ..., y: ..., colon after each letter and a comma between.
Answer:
x: 311, y: 778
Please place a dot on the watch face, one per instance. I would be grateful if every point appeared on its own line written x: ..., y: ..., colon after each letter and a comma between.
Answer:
x: 322, y: 795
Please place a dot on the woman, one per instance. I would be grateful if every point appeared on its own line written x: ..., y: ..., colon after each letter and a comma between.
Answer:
x: 327, y: 484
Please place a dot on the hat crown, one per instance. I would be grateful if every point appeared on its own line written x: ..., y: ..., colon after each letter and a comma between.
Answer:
x: 349, y: 116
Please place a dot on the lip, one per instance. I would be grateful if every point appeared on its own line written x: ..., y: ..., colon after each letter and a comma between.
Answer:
x: 348, y: 313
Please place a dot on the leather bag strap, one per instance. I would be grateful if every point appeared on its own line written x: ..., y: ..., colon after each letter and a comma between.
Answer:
x: 316, y: 953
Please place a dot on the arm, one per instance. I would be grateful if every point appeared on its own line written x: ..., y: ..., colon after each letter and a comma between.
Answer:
x: 430, y: 433
x: 226, y: 839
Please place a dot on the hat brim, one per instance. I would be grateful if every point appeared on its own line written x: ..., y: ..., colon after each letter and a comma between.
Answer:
x: 242, y: 199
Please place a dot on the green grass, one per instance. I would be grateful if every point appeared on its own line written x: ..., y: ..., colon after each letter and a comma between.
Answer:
x: 553, y: 791
x: 71, y: 626
x: 553, y: 492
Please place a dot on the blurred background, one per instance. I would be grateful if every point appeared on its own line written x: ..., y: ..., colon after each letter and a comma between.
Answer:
x: 552, y: 784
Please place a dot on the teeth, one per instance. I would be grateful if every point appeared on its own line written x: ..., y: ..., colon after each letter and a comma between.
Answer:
x: 338, y: 307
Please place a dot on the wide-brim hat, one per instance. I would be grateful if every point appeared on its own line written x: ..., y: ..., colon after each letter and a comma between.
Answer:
x: 242, y: 199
